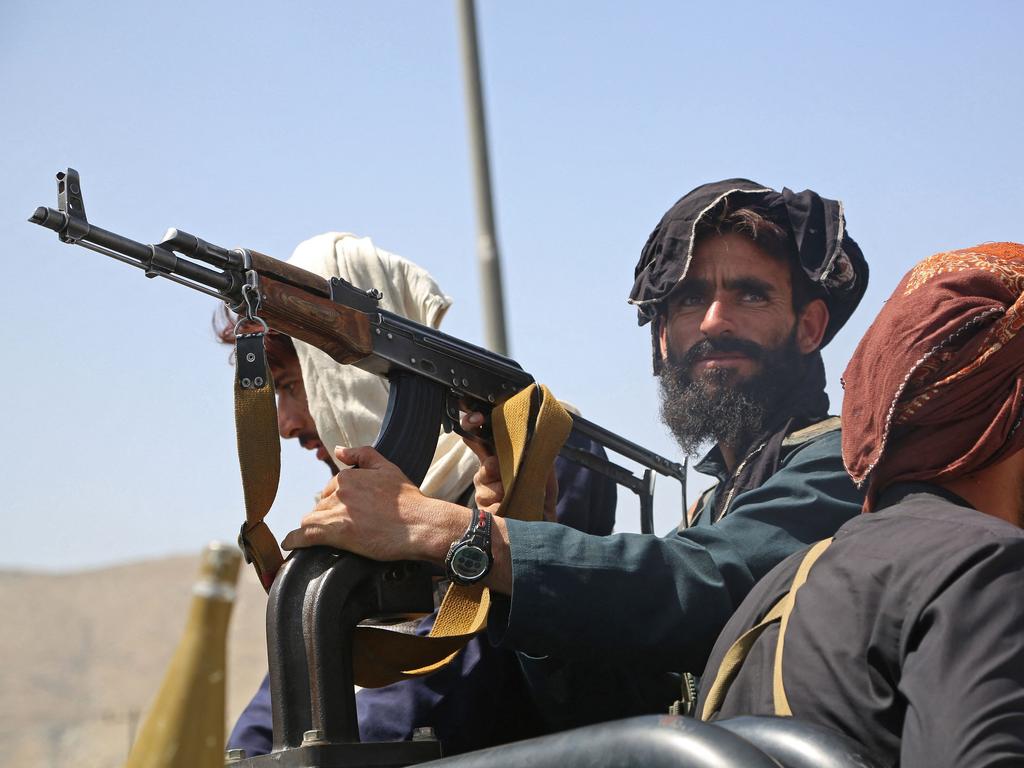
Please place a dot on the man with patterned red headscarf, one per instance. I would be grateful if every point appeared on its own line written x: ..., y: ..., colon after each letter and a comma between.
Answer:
x: 906, y: 632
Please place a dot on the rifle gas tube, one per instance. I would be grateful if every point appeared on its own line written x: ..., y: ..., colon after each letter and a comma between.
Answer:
x: 347, y: 323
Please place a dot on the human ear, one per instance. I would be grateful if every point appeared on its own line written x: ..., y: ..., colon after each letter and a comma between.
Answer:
x: 662, y: 336
x: 811, y: 325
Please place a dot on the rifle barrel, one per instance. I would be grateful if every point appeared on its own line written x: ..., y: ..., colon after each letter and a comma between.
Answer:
x: 629, y: 449
x: 152, y: 258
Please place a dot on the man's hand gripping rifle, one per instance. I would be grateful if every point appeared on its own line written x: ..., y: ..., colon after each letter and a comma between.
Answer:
x: 431, y: 373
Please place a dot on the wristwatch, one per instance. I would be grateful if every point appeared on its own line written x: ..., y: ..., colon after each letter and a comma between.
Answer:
x: 469, y: 559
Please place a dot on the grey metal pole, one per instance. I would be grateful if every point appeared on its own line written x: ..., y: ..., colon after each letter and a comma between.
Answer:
x: 487, y: 241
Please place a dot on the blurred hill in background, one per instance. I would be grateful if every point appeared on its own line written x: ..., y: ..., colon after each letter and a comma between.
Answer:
x: 84, y: 652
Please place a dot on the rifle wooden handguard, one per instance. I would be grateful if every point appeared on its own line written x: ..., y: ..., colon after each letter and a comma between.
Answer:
x: 342, y: 333
x: 284, y: 272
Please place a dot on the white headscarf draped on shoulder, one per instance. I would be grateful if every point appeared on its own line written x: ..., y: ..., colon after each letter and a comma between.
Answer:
x: 347, y: 403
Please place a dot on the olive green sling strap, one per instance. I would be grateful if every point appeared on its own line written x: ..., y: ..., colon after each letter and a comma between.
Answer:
x: 739, y: 650
x: 529, y: 429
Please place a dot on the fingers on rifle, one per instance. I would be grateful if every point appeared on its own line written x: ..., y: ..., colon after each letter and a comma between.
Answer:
x: 470, y: 423
x: 301, y: 537
x: 489, y: 472
x: 364, y: 457
x: 326, y: 524
x: 489, y: 492
x: 329, y: 489
x: 346, y: 456
x: 478, y: 447
x: 471, y: 420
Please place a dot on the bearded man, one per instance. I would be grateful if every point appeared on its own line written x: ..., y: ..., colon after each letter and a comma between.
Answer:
x: 904, y: 632
x: 743, y: 285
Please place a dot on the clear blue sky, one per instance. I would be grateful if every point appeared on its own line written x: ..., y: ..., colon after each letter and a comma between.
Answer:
x: 261, y: 124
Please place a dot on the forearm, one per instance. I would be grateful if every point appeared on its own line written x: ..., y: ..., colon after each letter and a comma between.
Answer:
x: 646, y: 601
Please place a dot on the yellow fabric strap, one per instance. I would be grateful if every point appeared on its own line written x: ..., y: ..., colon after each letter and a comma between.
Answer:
x: 529, y: 429
x: 778, y: 689
x: 739, y: 650
x: 259, y: 458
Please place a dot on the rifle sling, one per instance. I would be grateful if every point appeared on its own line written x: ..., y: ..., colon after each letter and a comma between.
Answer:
x: 739, y: 650
x: 259, y: 453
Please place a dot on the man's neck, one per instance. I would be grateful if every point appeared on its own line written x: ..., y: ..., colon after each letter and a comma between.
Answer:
x: 733, y: 454
x: 729, y: 456
x: 995, y: 490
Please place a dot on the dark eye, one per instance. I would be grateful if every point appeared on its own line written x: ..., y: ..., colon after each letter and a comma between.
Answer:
x: 688, y: 300
x: 754, y: 296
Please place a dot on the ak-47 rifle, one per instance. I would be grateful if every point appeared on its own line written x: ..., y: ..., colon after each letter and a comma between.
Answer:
x: 320, y: 594
x: 431, y: 372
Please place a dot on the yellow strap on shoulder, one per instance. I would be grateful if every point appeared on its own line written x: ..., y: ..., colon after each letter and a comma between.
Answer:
x: 529, y: 429
x: 739, y: 650
x: 778, y: 689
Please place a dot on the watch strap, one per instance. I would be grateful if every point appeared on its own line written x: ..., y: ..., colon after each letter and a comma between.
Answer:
x: 479, y: 531
x: 477, y: 535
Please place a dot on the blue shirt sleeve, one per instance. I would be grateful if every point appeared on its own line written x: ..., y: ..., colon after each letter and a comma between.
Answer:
x: 253, y: 731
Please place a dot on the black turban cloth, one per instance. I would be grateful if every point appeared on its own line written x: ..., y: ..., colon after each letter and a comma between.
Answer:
x: 826, y: 253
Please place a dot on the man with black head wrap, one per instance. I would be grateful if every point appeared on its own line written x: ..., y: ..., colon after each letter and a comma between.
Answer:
x: 743, y: 285
x: 735, y: 343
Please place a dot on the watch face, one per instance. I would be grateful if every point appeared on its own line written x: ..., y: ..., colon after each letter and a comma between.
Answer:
x: 469, y: 562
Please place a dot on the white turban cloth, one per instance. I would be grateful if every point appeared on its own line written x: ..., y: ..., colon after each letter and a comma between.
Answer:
x: 348, y: 404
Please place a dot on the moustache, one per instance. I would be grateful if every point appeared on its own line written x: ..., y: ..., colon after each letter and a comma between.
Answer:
x: 708, y: 347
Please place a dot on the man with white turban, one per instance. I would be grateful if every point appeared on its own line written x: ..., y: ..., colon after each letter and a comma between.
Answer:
x: 324, y: 404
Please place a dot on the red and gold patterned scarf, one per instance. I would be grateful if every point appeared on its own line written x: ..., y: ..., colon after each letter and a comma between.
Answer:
x: 934, y: 390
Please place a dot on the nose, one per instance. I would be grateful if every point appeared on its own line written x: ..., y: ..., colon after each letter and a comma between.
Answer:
x: 717, y: 320
x: 289, y: 418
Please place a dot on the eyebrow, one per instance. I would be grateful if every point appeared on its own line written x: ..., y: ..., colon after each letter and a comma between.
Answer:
x: 741, y: 284
x: 698, y: 285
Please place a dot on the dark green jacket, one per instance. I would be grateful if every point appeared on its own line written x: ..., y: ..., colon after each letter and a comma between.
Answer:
x: 604, y: 619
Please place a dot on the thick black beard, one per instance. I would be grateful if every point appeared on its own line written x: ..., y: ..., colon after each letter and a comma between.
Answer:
x: 713, y: 408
